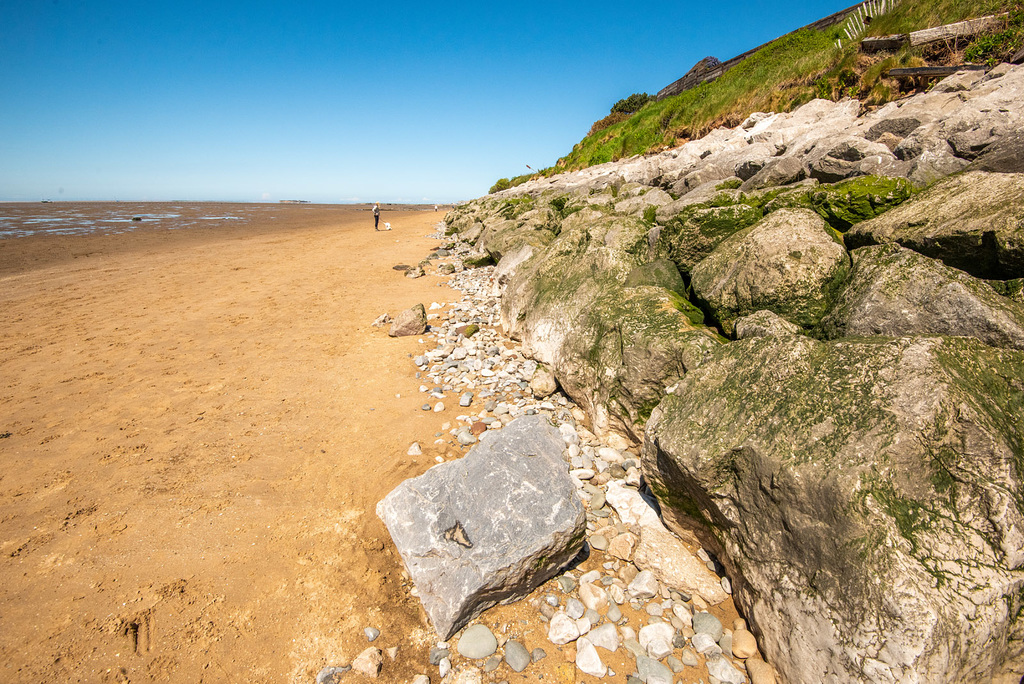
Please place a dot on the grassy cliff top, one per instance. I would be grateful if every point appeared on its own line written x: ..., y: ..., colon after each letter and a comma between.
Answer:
x: 792, y: 71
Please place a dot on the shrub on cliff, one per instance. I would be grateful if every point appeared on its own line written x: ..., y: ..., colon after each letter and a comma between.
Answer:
x: 631, y: 104
x: 501, y: 184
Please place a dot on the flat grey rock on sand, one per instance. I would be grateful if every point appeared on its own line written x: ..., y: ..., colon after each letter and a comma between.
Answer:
x: 489, y: 527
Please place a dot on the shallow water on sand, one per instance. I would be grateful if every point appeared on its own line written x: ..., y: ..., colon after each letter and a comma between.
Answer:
x: 85, y: 218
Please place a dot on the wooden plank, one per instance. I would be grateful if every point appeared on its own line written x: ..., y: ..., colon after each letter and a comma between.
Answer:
x: 961, y: 29
x: 1018, y: 58
x: 879, y: 43
x: 935, y: 70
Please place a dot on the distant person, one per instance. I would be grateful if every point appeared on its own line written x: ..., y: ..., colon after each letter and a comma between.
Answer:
x: 435, y: 207
x: 376, y: 215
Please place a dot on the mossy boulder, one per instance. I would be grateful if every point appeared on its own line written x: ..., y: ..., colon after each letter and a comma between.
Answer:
x: 763, y: 324
x: 847, y: 203
x: 478, y: 260
x: 1011, y: 289
x: 865, y: 497
x: 696, y: 230
x: 659, y: 273
x: 613, y: 346
x: 789, y: 264
x: 973, y: 221
x: 895, y: 291
x: 625, y: 348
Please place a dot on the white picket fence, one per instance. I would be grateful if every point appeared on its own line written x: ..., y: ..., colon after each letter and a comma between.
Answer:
x: 855, y: 25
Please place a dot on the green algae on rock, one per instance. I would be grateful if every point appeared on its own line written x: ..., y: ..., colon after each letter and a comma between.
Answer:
x: 789, y: 263
x: 849, y: 202
x: 833, y: 478
x: 894, y: 291
x: 973, y: 221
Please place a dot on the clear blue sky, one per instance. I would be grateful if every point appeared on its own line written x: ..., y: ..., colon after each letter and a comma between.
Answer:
x: 335, y: 101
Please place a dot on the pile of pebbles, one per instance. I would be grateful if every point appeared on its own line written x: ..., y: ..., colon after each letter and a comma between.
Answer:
x: 604, y: 608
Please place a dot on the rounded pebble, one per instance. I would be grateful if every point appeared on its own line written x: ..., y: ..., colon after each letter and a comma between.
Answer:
x: 477, y: 642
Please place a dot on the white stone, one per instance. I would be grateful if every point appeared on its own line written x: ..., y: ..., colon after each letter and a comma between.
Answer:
x: 606, y: 636
x: 725, y: 672
x: 562, y: 629
x: 704, y: 643
x: 588, y: 660
x: 369, y: 662
x: 593, y: 597
x: 683, y: 613
x: 569, y: 434
x: 470, y: 675
x: 656, y: 639
x: 414, y: 449
x: 643, y: 586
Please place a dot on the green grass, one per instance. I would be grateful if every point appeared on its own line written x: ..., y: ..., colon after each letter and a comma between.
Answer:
x: 780, y: 77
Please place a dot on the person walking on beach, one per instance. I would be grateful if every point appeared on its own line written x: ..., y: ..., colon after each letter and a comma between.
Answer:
x: 376, y: 215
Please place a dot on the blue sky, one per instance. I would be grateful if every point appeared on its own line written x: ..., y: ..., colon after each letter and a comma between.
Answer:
x: 331, y: 102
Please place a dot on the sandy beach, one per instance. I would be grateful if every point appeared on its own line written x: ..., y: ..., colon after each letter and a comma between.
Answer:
x: 196, y: 426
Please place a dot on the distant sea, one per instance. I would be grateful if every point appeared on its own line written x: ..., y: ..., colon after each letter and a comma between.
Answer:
x: 24, y: 219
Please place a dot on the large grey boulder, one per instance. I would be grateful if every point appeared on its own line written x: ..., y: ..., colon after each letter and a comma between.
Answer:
x: 490, y: 527
x: 865, y: 497
x: 973, y: 221
x: 895, y: 292
x: 788, y: 263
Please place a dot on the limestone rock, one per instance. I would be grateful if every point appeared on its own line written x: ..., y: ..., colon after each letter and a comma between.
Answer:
x: 845, y: 204
x: 613, y: 348
x: 788, y: 263
x: 896, y: 292
x: 369, y: 662
x: 489, y: 527
x: 410, y: 322
x: 562, y: 629
x: 973, y: 221
x: 663, y: 556
x: 588, y: 660
x: 721, y: 668
x: 760, y: 672
x: 834, y: 478
x: 656, y: 639
x: 763, y: 323
x: 743, y: 644
x: 1004, y: 155
x: 543, y: 382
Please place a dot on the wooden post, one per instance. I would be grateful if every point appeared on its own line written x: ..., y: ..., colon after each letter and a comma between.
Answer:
x: 879, y: 43
x: 934, y: 70
x: 961, y: 29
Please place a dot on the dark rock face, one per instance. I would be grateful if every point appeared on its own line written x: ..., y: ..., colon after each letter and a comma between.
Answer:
x: 490, y: 527
x: 899, y: 127
x: 1004, y: 155
x: 865, y: 496
x: 973, y: 221
x: 895, y: 292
